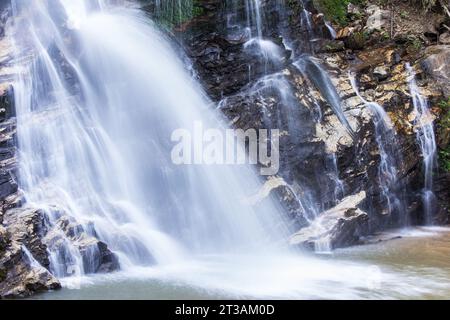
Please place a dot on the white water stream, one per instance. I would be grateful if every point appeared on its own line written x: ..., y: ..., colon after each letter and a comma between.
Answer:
x: 427, y: 141
x: 99, y: 92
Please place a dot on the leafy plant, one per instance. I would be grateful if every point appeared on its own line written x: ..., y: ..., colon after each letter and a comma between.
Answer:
x: 444, y: 124
x: 171, y: 13
x: 404, y: 15
x: 335, y: 10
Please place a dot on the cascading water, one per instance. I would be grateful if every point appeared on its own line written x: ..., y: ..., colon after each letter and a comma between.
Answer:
x: 330, y: 28
x: 427, y: 141
x: 95, y: 112
x: 389, y: 158
x: 273, y: 85
x: 312, y: 70
x: 95, y: 108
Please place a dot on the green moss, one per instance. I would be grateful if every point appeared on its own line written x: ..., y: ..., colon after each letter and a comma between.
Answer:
x: 173, y: 13
x: 336, y: 10
x: 444, y: 129
x: 356, y: 41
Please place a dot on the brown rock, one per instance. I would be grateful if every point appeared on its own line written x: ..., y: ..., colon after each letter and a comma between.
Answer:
x: 437, y: 65
x: 340, y: 226
x: 444, y: 38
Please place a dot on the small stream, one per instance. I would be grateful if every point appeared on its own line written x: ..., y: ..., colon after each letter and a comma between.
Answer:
x: 415, y: 266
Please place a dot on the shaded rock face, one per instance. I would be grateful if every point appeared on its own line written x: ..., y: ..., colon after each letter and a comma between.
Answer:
x: 320, y: 162
x: 223, y: 59
x: 23, y: 257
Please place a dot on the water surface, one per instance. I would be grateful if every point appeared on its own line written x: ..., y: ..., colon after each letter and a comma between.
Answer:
x: 415, y: 266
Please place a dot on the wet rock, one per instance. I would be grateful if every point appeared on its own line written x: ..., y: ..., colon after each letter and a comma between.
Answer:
x: 381, y: 73
x: 442, y: 192
x: 331, y: 46
x: 437, y: 65
x: 26, y: 271
x: 341, y: 226
x: 99, y: 258
x: 96, y: 256
x: 28, y: 227
x: 20, y: 276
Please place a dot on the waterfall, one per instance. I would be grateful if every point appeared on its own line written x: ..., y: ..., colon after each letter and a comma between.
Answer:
x: 172, y: 12
x: 247, y: 23
x: 98, y: 93
x: 312, y: 70
x: 427, y: 141
x: 389, y: 158
x: 330, y: 28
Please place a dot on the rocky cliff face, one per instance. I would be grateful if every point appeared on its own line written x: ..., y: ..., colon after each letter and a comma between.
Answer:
x: 321, y: 161
x: 330, y: 167
x: 26, y: 234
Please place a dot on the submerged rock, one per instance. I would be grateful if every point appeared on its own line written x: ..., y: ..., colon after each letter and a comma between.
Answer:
x: 340, y: 226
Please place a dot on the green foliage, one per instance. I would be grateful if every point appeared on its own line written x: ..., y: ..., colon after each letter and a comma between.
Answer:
x: 336, y: 10
x: 444, y: 156
x: 171, y: 13
x: 3, y: 274
x: 357, y: 41
x: 404, y: 15
x: 444, y: 124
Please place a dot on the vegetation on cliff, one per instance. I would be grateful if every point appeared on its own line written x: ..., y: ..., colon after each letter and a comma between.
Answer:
x: 336, y: 10
x: 172, y: 13
x: 444, y: 133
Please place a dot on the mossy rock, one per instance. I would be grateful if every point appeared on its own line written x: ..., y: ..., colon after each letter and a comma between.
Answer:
x: 356, y: 41
x: 444, y: 135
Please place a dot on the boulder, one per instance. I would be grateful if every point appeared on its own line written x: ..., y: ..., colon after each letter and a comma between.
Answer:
x: 381, y: 73
x: 28, y: 226
x: 344, y: 33
x: 353, y: 9
x: 20, y: 274
x: 444, y: 38
x: 96, y: 256
x: 338, y: 227
x: 437, y: 65
x: 26, y: 239
x: 378, y: 19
